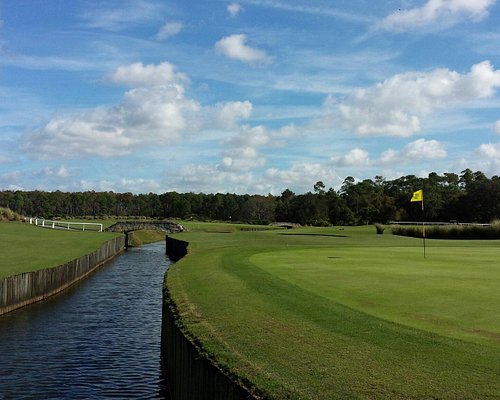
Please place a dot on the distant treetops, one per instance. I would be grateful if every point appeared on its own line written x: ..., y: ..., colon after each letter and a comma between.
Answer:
x: 468, y: 197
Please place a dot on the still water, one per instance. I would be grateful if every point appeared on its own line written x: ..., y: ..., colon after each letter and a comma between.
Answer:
x: 99, y: 339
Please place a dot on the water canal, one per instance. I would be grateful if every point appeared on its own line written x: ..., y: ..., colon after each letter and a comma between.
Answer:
x: 99, y: 339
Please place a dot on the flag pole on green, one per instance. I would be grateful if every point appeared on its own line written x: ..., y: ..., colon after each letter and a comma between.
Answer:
x: 419, y: 196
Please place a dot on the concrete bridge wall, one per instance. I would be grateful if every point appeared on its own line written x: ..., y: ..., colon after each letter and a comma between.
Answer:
x: 127, y: 226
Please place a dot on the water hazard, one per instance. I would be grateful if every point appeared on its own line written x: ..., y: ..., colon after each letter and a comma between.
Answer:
x: 99, y: 339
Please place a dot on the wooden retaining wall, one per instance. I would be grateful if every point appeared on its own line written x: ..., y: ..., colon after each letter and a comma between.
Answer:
x: 175, y: 249
x: 191, y: 373
x: 20, y: 290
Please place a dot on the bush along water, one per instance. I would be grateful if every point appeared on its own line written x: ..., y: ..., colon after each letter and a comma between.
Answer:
x: 469, y: 231
x: 6, y: 214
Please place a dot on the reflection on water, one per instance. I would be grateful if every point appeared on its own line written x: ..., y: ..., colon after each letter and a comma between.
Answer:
x: 99, y: 339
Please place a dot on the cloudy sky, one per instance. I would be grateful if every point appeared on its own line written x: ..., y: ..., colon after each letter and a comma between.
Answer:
x: 251, y: 96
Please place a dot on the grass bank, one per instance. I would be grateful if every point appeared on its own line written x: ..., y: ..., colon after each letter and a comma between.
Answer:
x: 322, y: 313
x: 26, y: 248
x: 142, y: 237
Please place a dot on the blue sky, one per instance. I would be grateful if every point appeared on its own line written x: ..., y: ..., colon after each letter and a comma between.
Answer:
x: 250, y: 96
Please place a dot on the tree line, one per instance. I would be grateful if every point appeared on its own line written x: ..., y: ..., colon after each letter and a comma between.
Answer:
x: 468, y: 197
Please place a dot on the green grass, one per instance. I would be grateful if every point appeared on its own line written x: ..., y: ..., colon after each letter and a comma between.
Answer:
x: 26, y: 248
x: 309, y: 314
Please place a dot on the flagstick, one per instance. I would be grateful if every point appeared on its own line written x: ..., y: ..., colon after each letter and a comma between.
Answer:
x: 419, y: 196
x: 423, y: 225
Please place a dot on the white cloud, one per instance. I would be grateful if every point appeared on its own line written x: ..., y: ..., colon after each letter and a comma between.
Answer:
x: 491, y: 150
x: 353, y: 17
x: 287, y: 131
x: 35, y: 62
x: 419, y: 149
x: 168, y: 30
x: 234, y: 9
x: 242, y: 158
x: 139, y: 75
x: 302, y: 176
x: 78, y: 136
x: 11, y: 180
x: 439, y: 13
x: 243, y: 151
x: 122, y: 14
x: 251, y: 136
x: 228, y: 114
x: 123, y: 185
x: 496, y: 128
x: 211, y: 179
x: 480, y: 83
x: 234, y: 47
x: 355, y: 157
x: 243, y: 147
x: 147, y: 115
x: 396, y: 106
x: 485, y: 158
x: 12, y: 176
x: 56, y: 172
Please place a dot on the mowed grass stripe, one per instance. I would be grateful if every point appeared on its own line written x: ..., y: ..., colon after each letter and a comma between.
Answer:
x: 295, y: 342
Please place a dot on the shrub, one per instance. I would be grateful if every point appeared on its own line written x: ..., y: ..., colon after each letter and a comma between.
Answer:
x: 321, y: 222
x: 461, y: 232
x: 380, y: 228
x: 407, y: 230
x: 6, y: 214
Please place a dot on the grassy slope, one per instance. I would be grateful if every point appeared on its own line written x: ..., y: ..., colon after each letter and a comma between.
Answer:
x: 26, y: 248
x: 365, y: 316
x: 142, y: 237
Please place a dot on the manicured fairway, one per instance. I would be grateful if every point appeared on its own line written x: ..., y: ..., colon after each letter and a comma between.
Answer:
x: 25, y: 248
x: 307, y: 313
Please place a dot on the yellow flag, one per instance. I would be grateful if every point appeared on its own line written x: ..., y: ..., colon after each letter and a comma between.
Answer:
x: 418, y: 196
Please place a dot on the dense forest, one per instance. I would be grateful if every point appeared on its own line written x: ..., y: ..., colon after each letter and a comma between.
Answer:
x: 468, y: 197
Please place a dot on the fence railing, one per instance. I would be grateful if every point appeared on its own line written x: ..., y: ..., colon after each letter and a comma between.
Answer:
x: 80, y: 226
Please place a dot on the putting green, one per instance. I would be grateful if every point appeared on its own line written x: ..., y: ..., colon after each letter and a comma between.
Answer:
x: 453, y: 291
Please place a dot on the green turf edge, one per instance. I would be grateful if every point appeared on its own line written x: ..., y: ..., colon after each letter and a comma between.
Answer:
x: 451, y: 368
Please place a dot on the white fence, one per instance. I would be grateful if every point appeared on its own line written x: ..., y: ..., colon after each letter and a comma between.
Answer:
x: 80, y: 226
